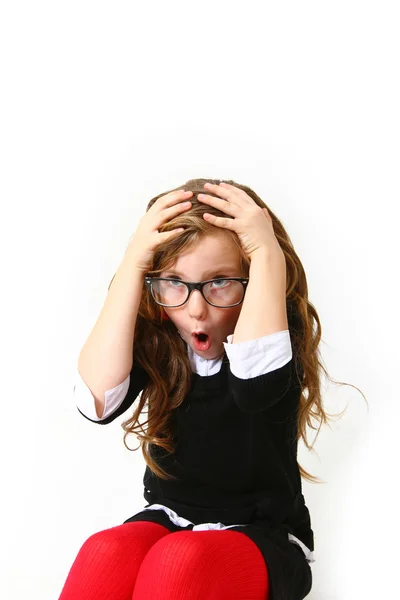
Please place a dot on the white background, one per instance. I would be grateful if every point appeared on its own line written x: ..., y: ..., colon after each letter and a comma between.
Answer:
x: 103, y: 106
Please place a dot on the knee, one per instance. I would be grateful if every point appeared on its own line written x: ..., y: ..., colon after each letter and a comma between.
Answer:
x: 107, y: 542
x: 133, y: 538
x: 183, y: 547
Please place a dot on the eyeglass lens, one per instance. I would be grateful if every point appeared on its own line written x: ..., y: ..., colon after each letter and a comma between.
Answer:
x: 221, y: 292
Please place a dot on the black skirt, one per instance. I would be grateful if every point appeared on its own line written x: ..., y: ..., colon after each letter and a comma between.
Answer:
x: 289, y: 573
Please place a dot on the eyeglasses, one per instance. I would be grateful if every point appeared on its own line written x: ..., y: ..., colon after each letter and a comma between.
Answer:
x: 222, y: 293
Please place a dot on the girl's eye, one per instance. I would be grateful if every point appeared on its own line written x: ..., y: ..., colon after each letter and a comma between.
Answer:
x: 174, y: 281
x: 216, y: 281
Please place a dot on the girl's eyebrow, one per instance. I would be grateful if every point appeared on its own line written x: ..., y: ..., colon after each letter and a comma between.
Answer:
x: 219, y: 272
x: 219, y: 275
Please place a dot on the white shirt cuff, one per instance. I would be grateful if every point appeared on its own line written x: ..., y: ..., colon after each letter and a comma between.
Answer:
x: 85, y: 401
x: 259, y: 356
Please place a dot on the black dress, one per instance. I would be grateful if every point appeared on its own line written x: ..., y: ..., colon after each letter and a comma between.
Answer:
x: 235, y: 463
x: 289, y: 573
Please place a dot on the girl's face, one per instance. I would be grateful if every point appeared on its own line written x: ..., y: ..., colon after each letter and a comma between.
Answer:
x: 214, y: 256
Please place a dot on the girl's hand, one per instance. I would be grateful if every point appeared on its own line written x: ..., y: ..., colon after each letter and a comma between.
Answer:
x: 147, y: 237
x: 252, y: 223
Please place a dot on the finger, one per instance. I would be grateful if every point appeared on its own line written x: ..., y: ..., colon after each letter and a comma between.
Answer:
x: 168, y: 213
x: 176, y: 196
x: 223, y: 205
x: 222, y: 222
x: 226, y: 190
x: 170, y: 199
x: 231, y: 194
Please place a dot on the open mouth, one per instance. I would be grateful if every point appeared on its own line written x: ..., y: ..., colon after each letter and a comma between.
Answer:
x: 201, y: 341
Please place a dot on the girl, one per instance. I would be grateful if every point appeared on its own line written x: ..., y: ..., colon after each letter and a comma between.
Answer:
x: 208, y: 319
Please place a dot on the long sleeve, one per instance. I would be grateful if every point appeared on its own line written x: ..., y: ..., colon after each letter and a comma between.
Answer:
x: 117, y: 400
x: 257, y: 357
x: 261, y: 370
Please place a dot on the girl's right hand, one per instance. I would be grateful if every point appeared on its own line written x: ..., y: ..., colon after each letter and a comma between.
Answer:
x: 146, y: 237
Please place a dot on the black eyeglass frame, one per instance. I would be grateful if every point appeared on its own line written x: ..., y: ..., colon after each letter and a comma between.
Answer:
x: 191, y: 285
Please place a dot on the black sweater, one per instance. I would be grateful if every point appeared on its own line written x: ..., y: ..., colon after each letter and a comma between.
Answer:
x: 236, y: 453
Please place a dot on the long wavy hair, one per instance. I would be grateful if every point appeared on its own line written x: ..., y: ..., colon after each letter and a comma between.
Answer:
x: 159, y: 349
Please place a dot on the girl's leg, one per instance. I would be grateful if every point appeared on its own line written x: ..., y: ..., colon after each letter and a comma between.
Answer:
x: 107, y: 564
x: 212, y: 564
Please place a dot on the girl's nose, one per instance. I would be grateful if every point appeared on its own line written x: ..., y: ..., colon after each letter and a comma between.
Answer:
x: 196, y: 303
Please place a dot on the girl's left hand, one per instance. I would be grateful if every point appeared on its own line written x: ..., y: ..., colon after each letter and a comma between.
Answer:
x: 252, y: 224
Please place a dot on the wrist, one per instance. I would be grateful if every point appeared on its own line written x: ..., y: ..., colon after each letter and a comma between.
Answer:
x: 268, y: 254
x: 132, y: 261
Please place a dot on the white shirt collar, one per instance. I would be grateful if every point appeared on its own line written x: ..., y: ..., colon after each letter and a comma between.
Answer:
x: 205, y: 366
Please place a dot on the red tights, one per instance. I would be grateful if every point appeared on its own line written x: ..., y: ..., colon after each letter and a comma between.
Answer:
x: 142, y: 560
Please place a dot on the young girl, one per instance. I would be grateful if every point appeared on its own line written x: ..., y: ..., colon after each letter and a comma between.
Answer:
x: 208, y: 319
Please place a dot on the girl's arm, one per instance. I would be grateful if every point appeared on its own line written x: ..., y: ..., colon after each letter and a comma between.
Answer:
x: 106, y: 358
x: 264, y: 305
